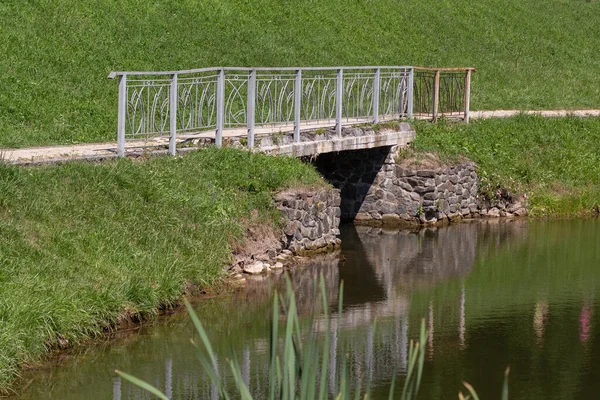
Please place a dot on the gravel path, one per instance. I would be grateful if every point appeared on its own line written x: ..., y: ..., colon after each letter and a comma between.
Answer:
x: 92, y: 151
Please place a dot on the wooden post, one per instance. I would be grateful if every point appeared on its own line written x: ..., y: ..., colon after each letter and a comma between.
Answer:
x: 436, y: 94
x: 467, y: 94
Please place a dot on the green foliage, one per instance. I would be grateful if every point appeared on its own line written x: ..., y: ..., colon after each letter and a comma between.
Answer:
x: 56, y: 54
x: 554, y: 161
x: 83, y: 246
x: 387, y: 125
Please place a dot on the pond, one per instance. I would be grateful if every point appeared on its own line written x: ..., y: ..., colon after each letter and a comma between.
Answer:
x: 493, y: 294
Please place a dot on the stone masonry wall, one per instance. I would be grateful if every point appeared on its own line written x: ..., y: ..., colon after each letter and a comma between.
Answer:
x: 425, y: 195
x: 312, y: 219
x: 379, y: 187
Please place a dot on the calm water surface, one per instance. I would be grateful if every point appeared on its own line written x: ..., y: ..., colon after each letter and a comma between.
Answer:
x: 519, y: 294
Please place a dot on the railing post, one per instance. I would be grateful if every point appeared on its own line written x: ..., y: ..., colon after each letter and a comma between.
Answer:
x: 410, y: 93
x: 339, y: 88
x: 436, y: 94
x: 251, y: 113
x: 376, y: 80
x: 173, y: 97
x: 220, y: 108
x: 297, y: 105
x: 467, y: 94
x: 122, y: 112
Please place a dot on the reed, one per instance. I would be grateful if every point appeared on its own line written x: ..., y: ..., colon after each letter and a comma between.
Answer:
x: 299, y: 361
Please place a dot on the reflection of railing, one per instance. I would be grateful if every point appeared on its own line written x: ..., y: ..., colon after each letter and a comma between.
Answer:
x: 194, y: 101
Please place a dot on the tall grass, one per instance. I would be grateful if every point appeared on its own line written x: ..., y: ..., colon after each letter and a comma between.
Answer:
x: 84, y: 246
x: 56, y: 54
x: 299, y: 361
x: 299, y: 366
x: 555, y: 161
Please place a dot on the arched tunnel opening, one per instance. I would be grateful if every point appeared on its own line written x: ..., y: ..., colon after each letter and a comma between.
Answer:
x: 353, y: 172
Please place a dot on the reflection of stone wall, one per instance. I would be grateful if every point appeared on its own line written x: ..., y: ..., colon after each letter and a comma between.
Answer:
x: 305, y: 280
x: 312, y: 218
x: 424, y: 256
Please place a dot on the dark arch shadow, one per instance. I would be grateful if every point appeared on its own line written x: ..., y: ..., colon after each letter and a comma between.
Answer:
x: 353, y: 172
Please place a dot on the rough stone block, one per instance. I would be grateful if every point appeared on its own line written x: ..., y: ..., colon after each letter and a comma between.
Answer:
x: 387, y: 207
x: 290, y: 228
x: 362, y: 217
x: 424, y: 189
x: 390, y: 219
x: 375, y: 215
x: 426, y: 173
x: 415, y: 196
x: 493, y: 213
x: 521, y: 212
x: 405, y: 185
x: 255, y: 268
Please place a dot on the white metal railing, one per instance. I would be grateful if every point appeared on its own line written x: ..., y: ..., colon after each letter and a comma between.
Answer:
x: 171, y: 103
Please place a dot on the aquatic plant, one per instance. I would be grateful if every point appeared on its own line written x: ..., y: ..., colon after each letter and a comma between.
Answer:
x: 298, y: 369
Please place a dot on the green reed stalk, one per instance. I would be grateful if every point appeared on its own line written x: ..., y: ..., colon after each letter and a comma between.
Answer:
x: 302, y: 368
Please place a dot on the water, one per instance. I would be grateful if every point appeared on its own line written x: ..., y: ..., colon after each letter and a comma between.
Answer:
x: 493, y: 294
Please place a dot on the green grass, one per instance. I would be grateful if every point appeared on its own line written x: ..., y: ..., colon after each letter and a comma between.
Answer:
x: 83, y: 246
x: 555, y: 161
x: 56, y: 54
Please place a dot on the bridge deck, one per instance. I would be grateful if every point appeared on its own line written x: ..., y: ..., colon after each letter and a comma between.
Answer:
x: 265, y: 138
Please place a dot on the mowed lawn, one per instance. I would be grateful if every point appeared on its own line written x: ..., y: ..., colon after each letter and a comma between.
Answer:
x: 56, y: 54
x: 83, y: 246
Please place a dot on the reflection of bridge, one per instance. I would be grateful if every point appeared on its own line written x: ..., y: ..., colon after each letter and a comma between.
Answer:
x: 379, y: 274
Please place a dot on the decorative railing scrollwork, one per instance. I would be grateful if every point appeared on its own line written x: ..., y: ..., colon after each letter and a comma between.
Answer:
x: 197, y: 101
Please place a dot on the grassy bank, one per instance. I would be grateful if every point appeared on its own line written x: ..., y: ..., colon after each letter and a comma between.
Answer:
x: 56, y: 54
x: 555, y: 161
x: 83, y: 246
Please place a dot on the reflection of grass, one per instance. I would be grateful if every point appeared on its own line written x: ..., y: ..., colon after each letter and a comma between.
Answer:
x: 84, y: 246
x: 300, y: 369
x: 556, y: 161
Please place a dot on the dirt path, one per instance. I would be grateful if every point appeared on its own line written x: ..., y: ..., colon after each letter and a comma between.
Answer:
x: 91, y: 151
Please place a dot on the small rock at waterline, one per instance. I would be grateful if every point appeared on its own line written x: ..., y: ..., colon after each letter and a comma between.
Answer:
x: 254, y: 269
x: 238, y: 282
x: 493, y: 213
x: 278, y: 265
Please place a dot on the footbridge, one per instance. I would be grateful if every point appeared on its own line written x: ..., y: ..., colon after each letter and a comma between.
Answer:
x: 289, y: 111
x: 293, y: 111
